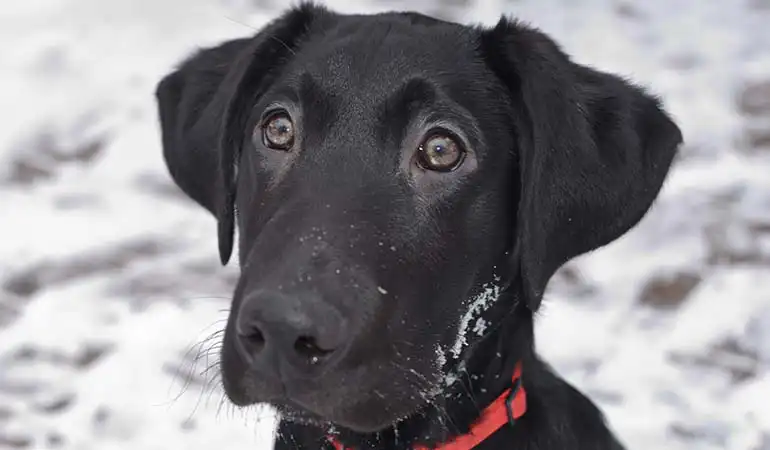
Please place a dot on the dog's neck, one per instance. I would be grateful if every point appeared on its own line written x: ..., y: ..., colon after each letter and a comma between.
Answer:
x: 475, y: 380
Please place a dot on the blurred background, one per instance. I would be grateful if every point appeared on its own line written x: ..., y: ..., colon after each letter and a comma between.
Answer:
x: 111, y: 295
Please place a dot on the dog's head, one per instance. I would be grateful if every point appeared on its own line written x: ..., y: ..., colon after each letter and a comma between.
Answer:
x: 388, y: 175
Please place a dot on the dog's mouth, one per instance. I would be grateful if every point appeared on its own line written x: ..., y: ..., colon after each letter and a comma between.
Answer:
x: 365, y: 399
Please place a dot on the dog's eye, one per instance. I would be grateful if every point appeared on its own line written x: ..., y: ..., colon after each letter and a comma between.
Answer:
x: 278, y: 132
x: 440, y: 152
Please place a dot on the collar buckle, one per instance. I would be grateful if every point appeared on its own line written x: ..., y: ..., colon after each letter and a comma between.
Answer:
x: 509, y: 407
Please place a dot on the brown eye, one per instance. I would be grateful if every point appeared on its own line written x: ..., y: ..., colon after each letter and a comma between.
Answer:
x: 440, y: 153
x: 278, y: 132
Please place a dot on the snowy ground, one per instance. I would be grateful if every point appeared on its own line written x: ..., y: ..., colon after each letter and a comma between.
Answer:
x: 109, y: 277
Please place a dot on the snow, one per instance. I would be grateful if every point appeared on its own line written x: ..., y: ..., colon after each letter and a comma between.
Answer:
x: 480, y: 327
x: 478, y: 304
x: 109, y: 277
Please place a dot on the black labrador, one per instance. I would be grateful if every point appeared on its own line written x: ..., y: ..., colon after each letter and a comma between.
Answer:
x: 403, y: 189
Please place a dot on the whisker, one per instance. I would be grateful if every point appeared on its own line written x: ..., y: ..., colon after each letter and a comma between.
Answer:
x: 240, y: 23
x: 186, y: 371
x: 421, y: 385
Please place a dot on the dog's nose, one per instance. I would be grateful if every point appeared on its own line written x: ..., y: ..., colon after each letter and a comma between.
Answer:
x: 303, y: 332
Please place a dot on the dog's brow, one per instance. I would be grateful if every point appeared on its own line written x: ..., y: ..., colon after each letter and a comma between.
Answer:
x: 415, y: 92
x: 304, y: 90
x: 402, y: 106
x: 310, y: 91
x: 281, y: 93
x: 319, y: 104
x: 420, y: 102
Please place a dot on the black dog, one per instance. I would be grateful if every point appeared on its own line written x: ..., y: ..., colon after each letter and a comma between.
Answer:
x: 403, y: 189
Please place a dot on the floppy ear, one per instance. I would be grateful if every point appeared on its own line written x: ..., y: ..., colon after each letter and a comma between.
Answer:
x: 203, y: 107
x: 594, y: 152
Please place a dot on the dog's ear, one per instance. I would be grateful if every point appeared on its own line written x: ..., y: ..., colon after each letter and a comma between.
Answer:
x: 203, y: 107
x: 593, y: 152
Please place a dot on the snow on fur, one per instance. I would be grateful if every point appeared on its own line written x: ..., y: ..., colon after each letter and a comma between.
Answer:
x: 480, y: 303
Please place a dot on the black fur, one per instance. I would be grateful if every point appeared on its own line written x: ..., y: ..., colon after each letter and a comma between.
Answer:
x: 358, y: 265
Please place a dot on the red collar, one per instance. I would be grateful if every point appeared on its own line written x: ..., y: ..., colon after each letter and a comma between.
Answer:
x: 508, y: 407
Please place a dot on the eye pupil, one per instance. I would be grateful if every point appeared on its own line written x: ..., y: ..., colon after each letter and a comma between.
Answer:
x: 278, y: 132
x: 440, y: 153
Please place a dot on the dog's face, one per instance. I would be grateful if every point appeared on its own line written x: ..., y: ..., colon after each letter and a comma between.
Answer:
x: 373, y: 192
x: 385, y: 170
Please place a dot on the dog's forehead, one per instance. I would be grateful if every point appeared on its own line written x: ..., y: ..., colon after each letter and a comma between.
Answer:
x: 379, y: 53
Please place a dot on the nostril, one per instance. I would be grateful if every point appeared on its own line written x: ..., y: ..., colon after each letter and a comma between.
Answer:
x: 308, y: 347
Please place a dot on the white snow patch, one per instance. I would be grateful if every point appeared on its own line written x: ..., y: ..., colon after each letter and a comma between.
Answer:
x: 440, y: 356
x: 450, y: 379
x: 453, y: 377
x: 481, y: 327
x: 480, y: 303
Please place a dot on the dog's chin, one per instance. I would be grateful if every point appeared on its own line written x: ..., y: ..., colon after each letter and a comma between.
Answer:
x: 295, y: 414
x: 364, y: 413
x: 365, y: 423
x: 361, y: 415
x: 372, y: 410
x: 367, y: 403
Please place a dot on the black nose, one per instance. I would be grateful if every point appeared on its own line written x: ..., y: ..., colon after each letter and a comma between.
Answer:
x: 299, y: 330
